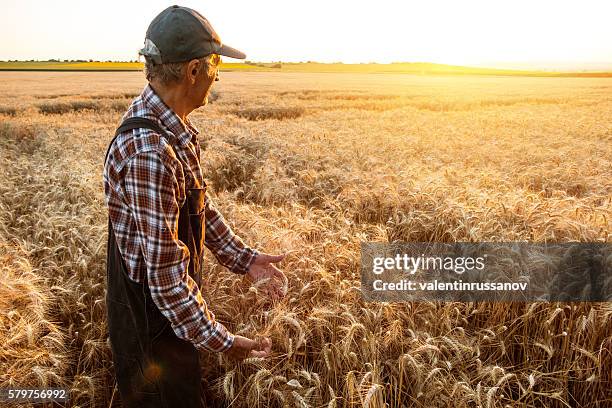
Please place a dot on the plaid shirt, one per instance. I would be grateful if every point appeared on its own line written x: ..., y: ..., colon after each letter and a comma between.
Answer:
x: 145, y: 181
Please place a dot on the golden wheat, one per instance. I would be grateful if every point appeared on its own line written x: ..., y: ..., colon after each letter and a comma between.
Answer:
x: 319, y: 163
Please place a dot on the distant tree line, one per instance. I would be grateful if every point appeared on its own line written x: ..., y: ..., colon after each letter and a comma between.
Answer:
x: 265, y: 65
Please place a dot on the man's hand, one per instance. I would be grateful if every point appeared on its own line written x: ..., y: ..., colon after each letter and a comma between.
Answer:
x: 262, y: 268
x: 244, y: 347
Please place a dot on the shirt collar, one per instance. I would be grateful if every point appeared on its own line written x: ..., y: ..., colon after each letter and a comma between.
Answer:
x: 184, y: 131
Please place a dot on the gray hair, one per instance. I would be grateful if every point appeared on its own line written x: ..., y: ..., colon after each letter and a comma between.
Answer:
x: 171, y: 72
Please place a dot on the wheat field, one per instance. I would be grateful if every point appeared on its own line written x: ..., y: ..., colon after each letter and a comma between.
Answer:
x: 318, y: 163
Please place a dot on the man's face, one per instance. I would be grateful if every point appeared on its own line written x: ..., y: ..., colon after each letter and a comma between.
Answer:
x: 205, y: 79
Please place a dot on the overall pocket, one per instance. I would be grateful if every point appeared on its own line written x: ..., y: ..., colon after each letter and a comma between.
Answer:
x: 123, y: 334
x: 197, y: 218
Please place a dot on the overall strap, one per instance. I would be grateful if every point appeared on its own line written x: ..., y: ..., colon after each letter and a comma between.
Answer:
x: 135, y: 122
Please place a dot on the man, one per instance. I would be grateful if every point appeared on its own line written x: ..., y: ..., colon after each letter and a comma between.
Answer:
x: 160, y: 219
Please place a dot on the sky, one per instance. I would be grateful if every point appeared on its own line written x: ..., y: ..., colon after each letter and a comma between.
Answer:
x: 538, y: 34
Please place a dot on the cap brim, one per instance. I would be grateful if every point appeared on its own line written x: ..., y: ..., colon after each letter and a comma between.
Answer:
x: 231, y: 52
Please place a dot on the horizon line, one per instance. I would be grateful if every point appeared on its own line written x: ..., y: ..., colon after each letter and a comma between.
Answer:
x: 252, y: 62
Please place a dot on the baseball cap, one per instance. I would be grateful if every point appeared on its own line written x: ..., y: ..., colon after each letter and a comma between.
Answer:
x: 180, y: 34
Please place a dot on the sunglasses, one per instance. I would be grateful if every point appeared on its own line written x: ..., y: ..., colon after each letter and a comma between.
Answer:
x: 215, y: 61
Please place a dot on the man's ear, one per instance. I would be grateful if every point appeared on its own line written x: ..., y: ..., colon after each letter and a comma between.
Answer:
x: 193, y: 69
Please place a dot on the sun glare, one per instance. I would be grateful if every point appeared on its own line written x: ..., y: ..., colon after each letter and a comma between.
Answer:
x: 530, y: 34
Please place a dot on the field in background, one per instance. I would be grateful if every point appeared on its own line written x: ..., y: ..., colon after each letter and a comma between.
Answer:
x: 417, y: 68
x: 320, y: 163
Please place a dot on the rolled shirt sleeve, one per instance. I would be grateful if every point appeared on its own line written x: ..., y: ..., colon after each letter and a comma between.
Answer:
x: 153, y: 183
x: 227, y: 247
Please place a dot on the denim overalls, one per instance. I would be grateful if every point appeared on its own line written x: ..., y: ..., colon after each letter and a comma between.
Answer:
x: 153, y: 367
